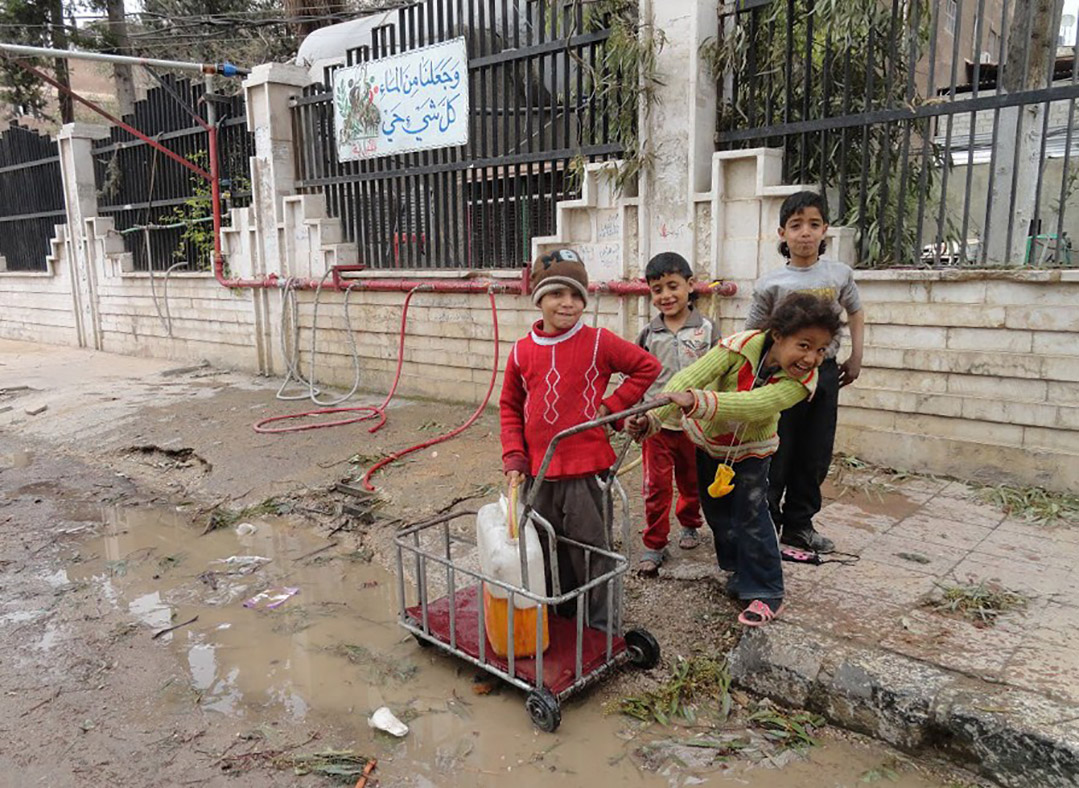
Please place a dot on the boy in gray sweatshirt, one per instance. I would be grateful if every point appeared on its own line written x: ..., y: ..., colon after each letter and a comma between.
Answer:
x: 807, y: 431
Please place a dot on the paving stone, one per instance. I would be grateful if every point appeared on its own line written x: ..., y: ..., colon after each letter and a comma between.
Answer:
x: 1041, y: 550
x: 958, y: 490
x: 885, y: 582
x: 842, y: 615
x: 1046, y: 583
x: 1057, y: 624
x: 903, y: 551
x: 854, y: 516
x: 1061, y: 532
x: 847, y: 538
x: 963, y: 511
x: 1046, y: 668
x: 954, y: 644
x: 938, y: 530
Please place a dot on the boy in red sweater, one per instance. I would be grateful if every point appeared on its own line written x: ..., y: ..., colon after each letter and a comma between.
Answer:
x: 556, y: 378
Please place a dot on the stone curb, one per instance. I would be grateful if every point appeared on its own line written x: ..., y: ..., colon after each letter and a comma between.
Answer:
x: 1017, y: 738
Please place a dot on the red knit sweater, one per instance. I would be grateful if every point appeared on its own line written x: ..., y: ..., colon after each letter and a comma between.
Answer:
x: 557, y: 381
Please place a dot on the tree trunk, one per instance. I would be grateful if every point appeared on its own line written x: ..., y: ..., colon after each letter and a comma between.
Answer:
x: 1017, y: 152
x: 58, y: 36
x: 306, y: 16
x: 123, y: 74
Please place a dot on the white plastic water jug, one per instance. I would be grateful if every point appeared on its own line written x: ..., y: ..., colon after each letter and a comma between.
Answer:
x: 500, y: 556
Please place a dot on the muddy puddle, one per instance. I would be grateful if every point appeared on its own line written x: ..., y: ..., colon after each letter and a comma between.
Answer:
x: 330, y: 652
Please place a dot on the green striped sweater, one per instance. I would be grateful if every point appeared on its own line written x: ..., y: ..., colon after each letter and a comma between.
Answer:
x: 730, y: 420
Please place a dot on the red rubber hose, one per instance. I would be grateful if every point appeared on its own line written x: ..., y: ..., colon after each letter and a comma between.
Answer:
x: 452, y: 433
x: 369, y: 411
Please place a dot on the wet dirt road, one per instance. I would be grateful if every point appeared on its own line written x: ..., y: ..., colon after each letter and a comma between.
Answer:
x: 92, y: 568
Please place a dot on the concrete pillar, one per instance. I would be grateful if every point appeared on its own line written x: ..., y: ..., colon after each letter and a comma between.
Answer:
x: 679, y: 129
x: 268, y: 90
x: 75, y: 142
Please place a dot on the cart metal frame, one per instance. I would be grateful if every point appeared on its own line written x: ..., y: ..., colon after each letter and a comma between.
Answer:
x: 592, y: 660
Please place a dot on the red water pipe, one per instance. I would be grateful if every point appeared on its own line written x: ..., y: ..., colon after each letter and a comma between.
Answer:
x: 637, y: 287
x: 116, y: 121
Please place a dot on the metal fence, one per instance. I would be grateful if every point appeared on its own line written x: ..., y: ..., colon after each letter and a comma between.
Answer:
x: 541, y: 105
x: 902, y: 114
x: 161, y: 208
x: 31, y: 197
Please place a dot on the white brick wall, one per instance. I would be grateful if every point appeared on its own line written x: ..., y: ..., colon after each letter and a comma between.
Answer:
x: 998, y: 399
x: 39, y: 306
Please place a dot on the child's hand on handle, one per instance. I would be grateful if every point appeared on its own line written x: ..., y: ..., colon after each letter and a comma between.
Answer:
x: 849, y: 371
x: 637, y: 426
x: 514, y: 479
x: 683, y: 399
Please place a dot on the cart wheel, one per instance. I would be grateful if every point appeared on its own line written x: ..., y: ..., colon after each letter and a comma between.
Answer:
x: 544, y: 710
x: 423, y: 642
x: 643, y: 648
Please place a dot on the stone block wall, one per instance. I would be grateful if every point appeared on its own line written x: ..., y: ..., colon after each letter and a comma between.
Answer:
x: 38, y: 306
x: 974, y: 374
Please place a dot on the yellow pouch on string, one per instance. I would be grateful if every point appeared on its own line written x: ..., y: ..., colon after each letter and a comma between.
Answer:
x: 724, y: 481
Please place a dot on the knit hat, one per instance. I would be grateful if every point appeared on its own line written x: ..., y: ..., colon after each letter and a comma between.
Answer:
x: 559, y: 268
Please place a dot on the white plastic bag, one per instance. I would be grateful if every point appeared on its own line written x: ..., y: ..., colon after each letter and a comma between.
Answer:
x: 500, y: 556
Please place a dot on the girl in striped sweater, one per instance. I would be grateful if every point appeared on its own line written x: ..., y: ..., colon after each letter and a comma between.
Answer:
x: 730, y: 401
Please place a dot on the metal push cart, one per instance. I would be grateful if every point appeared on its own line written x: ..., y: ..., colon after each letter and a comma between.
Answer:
x: 578, y: 654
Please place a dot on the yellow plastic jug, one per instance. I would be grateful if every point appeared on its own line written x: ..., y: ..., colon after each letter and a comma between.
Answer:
x: 499, y: 552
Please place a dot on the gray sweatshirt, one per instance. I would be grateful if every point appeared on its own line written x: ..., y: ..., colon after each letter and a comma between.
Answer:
x: 827, y: 279
x: 676, y: 351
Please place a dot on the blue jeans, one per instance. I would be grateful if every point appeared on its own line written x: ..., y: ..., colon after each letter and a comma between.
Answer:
x: 745, y: 537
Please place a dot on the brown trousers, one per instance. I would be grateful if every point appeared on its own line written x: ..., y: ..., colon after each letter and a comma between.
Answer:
x: 575, y: 509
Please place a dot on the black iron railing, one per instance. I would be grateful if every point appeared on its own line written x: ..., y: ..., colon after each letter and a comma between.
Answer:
x: 537, y: 116
x: 161, y: 208
x: 31, y: 197
x: 902, y: 115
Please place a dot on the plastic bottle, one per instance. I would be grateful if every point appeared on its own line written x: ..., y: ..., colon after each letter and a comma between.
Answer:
x: 499, y: 552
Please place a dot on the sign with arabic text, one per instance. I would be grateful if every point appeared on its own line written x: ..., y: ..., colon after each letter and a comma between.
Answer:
x: 417, y: 100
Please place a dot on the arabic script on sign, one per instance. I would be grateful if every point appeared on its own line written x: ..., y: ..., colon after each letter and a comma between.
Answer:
x: 417, y: 100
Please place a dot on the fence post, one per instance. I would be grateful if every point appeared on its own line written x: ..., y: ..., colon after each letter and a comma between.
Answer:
x: 273, y: 172
x: 678, y: 130
x: 75, y: 143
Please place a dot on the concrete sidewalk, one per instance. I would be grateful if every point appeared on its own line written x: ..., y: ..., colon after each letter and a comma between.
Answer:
x: 857, y: 643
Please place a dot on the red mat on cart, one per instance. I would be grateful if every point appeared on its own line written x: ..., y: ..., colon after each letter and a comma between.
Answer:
x: 559, y: 660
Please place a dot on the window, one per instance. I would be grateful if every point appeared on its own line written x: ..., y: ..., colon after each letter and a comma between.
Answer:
x: 950, y: 11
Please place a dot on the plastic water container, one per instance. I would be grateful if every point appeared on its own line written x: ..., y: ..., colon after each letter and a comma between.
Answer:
x: 499, y: 552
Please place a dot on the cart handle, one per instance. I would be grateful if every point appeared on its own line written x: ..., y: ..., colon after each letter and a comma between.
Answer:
x: 636, y: 410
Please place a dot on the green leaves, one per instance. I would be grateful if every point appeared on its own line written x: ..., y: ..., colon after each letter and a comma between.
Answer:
x: 1033, y: 503
x: 979, y: 602
x: 795, y: 729
x: 692, y: 681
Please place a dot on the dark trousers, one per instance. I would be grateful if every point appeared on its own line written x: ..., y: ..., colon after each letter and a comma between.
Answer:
x: 745, y: 537
x: 574, y: 508
x: 800, y: 465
